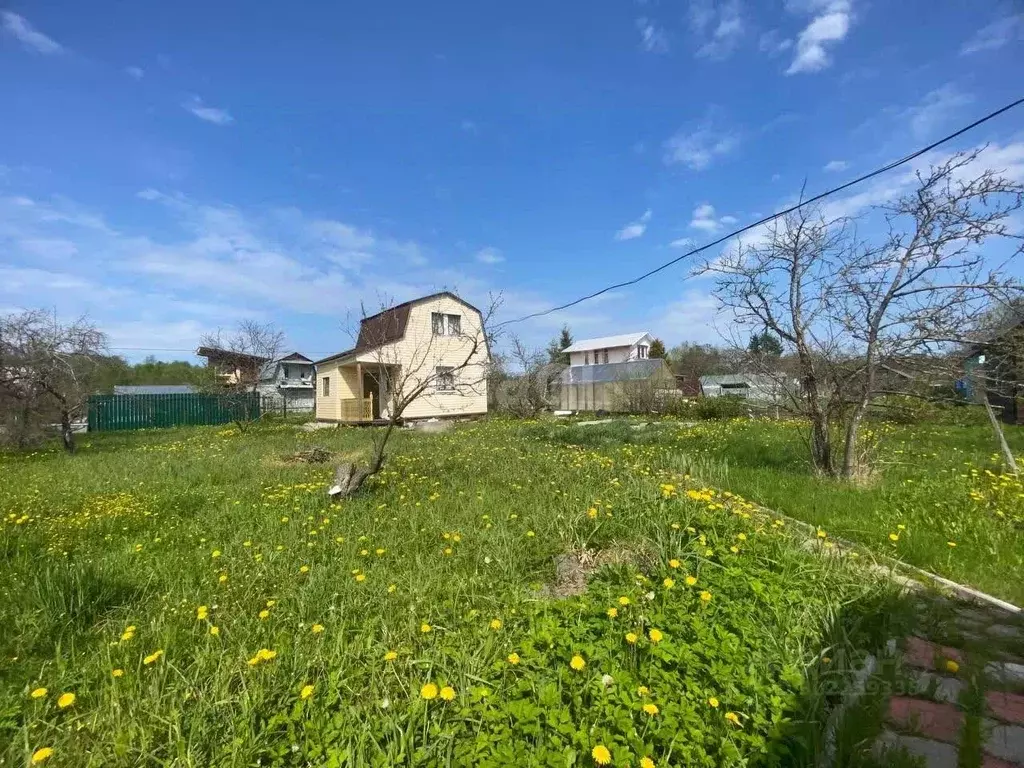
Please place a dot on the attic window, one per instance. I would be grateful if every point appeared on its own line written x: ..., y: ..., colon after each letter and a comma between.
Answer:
x: 641, y: 352
x: 604, y: 356
x: 445, y: 325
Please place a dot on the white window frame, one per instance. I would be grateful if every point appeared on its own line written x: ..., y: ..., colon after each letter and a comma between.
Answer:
x: 440, y: 372
x: 442, y: 324
x: 641, y: 351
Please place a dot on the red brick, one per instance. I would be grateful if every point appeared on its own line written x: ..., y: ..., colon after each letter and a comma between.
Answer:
x: 1006, y: 706
x: 988, y: 761
x: 936, y: 721
x: 928, y: 655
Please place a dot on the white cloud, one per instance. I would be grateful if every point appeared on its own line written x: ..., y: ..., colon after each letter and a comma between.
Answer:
x: 995, y: 35
x: 691, y: 318
x: 935, y: 110
x: 489, y: 255
x: 718, y: 26
x: 835, y: 166
x: 828, y: 27
x: 135, y: 73
x: 635, y: 229
x: 705, y: 220
x: 773, y: 43
x: 699, y: 147
x: 652, y: 37
x: 682, y: 242
x: 30, y: 37
x: 214, y: 115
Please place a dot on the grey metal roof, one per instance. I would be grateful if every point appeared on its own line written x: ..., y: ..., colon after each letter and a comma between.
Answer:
x: 739, y: 379
x: 606, y: 342
x: 606, y: 372
x: 154, y: 389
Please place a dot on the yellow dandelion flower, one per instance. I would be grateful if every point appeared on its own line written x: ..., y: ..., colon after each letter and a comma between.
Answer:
x: 306, y: 692
x: 390, y: 655
x: 741, y: 536
x: 655, y: 635
x: 642, y: 691
x: 530, y: 534
x: 264, y: 614
x: 448, y: 693
x: 691, y: 581
x: 951, y: 543
x: 66, y: 700
x: 612, y: 612
x: 222, y: 578
x: 214, y: 630
x: 894, y: 537
x: 591, y: 513
x: 705, y: 597
x: 153, y: 656
x: 117, y: 672
x: 631, y: 638
x: 41, y: 755
x: 392, y: 588
x: 732, y: 717
x: 668, y: 583
x: 673, y: 563
x: 216, y: 553
x: 202, y: 612
x: 304, y: 569
x: 651, y: 709
x: 360, y: 577
x: 38, y: 693
x: 577, y: 663
x: 646, y: 762
x: 713, y: 702
x: 513, y: 659
x: 952, y: 666
x: 601, y: 755
x: 425, y: 628
x: 495, y: 624
x: 623, y: 601
x: 428, y: 691
x: 316, y: 629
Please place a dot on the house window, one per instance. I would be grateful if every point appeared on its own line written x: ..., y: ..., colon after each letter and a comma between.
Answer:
x: 641, y: 352
x: 285, y: 370
x: 327, y: 386
x: 445, y: 325
x: 586, y: 358
x: 444, y: 378
x: 604, y: 356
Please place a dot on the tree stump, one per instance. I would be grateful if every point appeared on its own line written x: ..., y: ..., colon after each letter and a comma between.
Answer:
x: 348, y: 479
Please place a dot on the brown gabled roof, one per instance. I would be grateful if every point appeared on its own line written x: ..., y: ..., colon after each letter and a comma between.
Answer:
x: 389, y: 325
x: 227, y: 353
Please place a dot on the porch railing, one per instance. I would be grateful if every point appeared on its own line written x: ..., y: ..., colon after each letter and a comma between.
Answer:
x: 356, y: 409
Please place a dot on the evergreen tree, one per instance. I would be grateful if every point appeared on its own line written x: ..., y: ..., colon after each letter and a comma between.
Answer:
x: 657, y: 350
x: 557, y: 344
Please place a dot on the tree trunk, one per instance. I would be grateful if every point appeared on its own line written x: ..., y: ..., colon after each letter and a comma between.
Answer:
x: 850, y: 463
x: 66, y: 433
x: 821, y: 445
x: 998, y: 429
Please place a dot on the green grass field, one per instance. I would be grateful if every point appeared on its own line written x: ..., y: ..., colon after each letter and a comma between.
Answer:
x: 207, y: 606
x: 940, y: 497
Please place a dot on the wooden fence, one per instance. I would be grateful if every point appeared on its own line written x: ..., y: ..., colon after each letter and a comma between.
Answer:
x: 117, y: 412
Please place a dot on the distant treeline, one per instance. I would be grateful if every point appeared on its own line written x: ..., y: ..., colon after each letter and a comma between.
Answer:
x: 116, y: 370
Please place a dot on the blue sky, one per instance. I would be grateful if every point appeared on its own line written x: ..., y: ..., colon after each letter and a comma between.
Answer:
x: 170, y: 168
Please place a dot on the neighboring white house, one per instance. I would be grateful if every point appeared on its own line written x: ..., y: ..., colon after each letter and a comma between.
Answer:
x: 760, y: 387
x: 289, y: 383
x: 610, y: 349
x: 437, y: 340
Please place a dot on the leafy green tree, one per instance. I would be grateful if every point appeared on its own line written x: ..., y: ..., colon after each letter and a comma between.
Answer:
x: 557, y: 344
x: 764, y: 345
x: 657, y: 350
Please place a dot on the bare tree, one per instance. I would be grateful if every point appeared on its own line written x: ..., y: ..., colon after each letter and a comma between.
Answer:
x: 239, y: 357
x: 452, y: 359
x: 868, y: 319
x: 526, y: 390
x: 47, y: 370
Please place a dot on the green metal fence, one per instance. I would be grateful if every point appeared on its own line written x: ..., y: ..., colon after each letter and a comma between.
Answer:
x: 114, y: 412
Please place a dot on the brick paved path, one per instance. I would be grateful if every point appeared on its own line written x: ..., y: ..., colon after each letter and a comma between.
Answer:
x: 960, y: 703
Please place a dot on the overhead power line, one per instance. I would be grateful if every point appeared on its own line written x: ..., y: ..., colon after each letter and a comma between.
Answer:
x: 766, y: 219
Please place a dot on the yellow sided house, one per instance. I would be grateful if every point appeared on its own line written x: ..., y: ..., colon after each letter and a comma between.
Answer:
x: 429, y: 355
